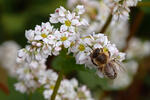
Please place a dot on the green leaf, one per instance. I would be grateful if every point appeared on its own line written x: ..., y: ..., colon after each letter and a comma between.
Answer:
x: 92, y: 80
x: 66, y: 63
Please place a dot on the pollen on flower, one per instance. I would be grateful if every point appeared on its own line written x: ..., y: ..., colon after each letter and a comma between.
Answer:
x: 26, y: 71
x: 81, y: 47
x: 63, y: 38
x: 67, y: 23
x: 81, y: 95
x: 72, y: 44
x: 35, y: 52
x: 43, y: 35
x: 105, y: 49
x: 52, y: 87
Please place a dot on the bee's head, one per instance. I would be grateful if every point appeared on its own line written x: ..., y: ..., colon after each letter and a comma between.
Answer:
x: 102, y: 58
x: 95, y: 53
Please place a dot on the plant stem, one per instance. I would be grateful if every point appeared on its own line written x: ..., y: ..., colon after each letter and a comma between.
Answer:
x: 106, y: 24
x: 134, y: 27
x: 30, y: 96
x: 60, y: 77
x: 143, y: 4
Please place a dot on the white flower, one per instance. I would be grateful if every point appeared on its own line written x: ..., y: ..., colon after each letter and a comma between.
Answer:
x: 8, y: 54
x: 43, y: 32
x: 136, y: 45
x: 120, y: 9
x: 30, y: 35
x: 84, y: 94
x: 41, y: 46
x: 81, y: 51
x: 67, y: 90
x: 64, y: 38
x: 56, y: 17
x: 101, y: 39
x: 80, y: 9
x: 74, y: 82
x: 47, y: 94
x: 48, y: 77
x: 61, y: 11
x: 70, y: 20
x: 20, y: 87
x: 95, y: 14
x: 22, y: 54
x: 112, y: 48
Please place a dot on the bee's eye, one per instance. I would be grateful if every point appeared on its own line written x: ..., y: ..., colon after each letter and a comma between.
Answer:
x: 97, y: 50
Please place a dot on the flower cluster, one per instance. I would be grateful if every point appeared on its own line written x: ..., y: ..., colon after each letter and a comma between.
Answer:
x: 46, y: 40
x: 121, y: 8
x: 85, y: 45
x: 117, y: 32
x: 34, y: 75
x: 69, y: 89
x: 96, y: 14
x: 28, y: 75
x: 101, y: 12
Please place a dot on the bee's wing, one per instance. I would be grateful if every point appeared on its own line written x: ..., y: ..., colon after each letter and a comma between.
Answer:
x: 120, y: 66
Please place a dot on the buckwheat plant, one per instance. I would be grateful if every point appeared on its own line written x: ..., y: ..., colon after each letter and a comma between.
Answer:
x: 104, y: 16
x: 46, y: 40
x: 121, y: 8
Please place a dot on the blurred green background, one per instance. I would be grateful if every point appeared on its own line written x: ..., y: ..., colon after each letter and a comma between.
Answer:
x: 16, y: 16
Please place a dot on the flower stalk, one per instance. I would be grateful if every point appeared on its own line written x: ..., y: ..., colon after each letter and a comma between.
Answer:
x: 106, y: 24
x: 58, y: 82
x: 134, y: 28
x: 30, y: 96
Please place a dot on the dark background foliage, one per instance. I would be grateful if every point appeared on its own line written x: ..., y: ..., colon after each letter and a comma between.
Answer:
x: 16, y: 16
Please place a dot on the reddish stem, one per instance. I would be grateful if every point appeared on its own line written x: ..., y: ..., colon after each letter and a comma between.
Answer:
x: 4, y: 88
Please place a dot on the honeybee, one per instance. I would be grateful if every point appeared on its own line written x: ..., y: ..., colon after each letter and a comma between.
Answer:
x: 101, y: 58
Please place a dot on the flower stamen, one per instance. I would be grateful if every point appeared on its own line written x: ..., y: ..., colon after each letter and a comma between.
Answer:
x: 67, y: 23
x: 43, y: 35
x: 81, y: 47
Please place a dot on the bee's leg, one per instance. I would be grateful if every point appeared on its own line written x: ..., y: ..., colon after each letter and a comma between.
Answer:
x: 115, y: 73
x: 93, y: 62
x: 100, y: 68
x: 109, y: 53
